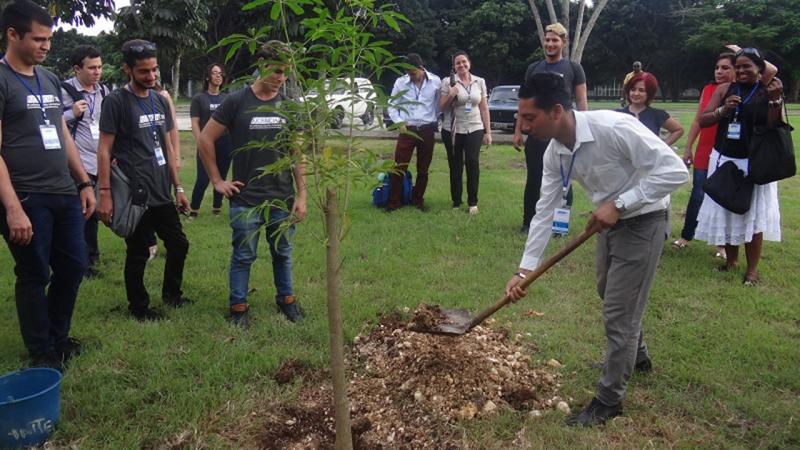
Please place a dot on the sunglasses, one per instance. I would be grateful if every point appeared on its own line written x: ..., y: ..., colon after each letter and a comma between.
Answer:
x: 141, y: 48
x: 749, y: 51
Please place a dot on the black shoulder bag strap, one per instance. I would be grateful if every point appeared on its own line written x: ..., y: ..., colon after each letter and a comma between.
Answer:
x: 75, y: 96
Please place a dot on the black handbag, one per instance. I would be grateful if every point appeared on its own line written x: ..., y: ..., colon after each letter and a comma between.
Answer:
x: 771, y: 153
x: 730, y: 188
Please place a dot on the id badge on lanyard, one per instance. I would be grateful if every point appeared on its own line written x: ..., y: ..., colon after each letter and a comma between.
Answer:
x: 50, y: 137
x: 561, y: 221
x: 468, y: 107
x: 95, y: 128
x: 160, y: 160
x: 734, y: 130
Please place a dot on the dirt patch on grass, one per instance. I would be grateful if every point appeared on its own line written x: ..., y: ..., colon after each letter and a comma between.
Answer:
x: 408, y: 389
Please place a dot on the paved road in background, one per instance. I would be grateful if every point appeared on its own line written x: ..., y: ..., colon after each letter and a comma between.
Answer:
x: 498, y: 137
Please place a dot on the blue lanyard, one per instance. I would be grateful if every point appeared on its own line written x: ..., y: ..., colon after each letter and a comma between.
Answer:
x: 40, y: 97
x: 417, y: 92
x: 151, y: 115
x: 466, y: 88
x: 91, y: 103
x: 565, y: 181
x: 749, y: 96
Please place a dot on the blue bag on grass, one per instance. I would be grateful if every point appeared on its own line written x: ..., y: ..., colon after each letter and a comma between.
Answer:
x: 380, y: 195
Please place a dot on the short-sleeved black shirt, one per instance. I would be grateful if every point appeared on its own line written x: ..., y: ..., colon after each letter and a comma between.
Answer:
x: 33, y: 168
x: 203, y: 106
x: 652, y: 118
x: 572, y: 71
x: 752, y: 113
x: 240, y: 115
x: 132, y: 121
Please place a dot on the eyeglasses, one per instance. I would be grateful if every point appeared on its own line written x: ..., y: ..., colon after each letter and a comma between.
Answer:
x: 749, y: 51
x: 141, y: 48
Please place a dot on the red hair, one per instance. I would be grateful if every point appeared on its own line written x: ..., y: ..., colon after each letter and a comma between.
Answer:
x: 650, y: 85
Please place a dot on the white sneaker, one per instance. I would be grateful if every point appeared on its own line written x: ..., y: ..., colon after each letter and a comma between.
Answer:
x: 153, y: 252
x: 473, y: 210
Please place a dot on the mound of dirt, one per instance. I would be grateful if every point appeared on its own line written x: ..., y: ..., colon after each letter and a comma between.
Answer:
x: 407, y: 389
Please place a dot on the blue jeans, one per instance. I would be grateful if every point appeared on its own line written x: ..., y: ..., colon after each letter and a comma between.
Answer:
x: 45, y: 300
x: 246, y: 222
x: 695, y: 200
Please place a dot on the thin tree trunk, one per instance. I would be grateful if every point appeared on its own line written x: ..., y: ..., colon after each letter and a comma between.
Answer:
x: 538, y: 19
x: 341, y: 406
x: 796, y: 89
x: 551, y: 10
x: 565, y: 22
x: 578, y: 25
x: 176, y: 75
x: 598, y: 8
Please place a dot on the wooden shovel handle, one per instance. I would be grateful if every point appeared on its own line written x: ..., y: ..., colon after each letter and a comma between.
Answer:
x: 531, y: 277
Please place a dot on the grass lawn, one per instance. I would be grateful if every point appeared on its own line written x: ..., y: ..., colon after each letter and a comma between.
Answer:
x: 726, y: 357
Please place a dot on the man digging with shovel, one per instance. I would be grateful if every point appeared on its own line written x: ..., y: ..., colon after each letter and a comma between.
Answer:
x: 628, y: 173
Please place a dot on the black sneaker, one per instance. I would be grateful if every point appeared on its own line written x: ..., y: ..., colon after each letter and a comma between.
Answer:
x: 288, y: 306
x: 50, y: 360
x: 147, y: 315
x: 68, y: 349
x: 595, y: 413
x: 239, y: 318
x: 177, y: 302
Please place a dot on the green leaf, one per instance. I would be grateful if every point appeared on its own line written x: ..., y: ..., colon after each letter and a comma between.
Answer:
x: 275, y: 12
x: 295, y: 7
x: 391, y: 23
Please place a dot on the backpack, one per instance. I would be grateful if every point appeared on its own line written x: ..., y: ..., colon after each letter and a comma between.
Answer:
x: 380, y: 195
x: 75, y: 96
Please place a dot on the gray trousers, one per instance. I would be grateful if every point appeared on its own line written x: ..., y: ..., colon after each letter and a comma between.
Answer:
x: 627, y: 258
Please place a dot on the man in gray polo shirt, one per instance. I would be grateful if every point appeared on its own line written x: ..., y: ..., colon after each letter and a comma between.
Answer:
x: 629, y: 174
x: 82, y: 98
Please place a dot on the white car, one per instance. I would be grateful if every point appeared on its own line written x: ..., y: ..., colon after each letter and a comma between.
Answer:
x: 349, y: 101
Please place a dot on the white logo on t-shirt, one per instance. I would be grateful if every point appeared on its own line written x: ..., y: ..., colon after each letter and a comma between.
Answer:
x: 50, y: 101
x: 213, y: 106
x: 266, y: 123
x: 146, y: 119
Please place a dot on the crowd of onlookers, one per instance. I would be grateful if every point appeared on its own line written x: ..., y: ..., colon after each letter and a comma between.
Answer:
x: 75, y: 153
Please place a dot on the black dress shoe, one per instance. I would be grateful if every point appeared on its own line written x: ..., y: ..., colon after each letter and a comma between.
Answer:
x: 643, y: 366
x: 595, y: 413
x: 48, y: 360
x: 68, y: 349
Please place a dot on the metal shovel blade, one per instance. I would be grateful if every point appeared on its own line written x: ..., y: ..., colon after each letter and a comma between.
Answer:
x: 455, y: 322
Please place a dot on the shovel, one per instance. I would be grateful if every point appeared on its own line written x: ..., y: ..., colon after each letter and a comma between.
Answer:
x: 455, y: 322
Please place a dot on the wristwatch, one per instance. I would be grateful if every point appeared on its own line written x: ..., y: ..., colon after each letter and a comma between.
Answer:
x: 619, y: 204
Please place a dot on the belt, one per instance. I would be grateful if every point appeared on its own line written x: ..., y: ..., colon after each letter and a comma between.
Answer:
x: 427, y: 126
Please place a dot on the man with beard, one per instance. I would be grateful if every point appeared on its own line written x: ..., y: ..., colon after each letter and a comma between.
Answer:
x: 134, y: 131
x: 555, y: 40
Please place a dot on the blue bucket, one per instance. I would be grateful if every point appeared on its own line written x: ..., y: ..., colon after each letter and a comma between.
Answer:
x: 29, y: 407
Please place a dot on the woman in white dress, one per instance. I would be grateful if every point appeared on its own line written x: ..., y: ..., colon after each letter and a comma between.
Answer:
x: 756, y: 98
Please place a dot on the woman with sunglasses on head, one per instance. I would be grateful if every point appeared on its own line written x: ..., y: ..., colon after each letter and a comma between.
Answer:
x: 723, y: 73
x: 754, y: 99
x: 465, y: 127
x: 640, y: 92
x: 202, y: 108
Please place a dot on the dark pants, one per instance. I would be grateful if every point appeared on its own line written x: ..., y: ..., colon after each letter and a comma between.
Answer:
x: 465, y: 151
x: 534, y: 157
x: 402, y: 156
x: 45, y: 312
x: 166, y: 224
x: 90, y: 230
x: 695, y: 200
x: 223, y: 154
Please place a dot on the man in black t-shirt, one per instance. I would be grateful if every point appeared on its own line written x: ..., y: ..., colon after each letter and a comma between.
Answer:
x: 44, y: 211
x: 554, y: 42
x: 254, y: 114
x: 134, y: 129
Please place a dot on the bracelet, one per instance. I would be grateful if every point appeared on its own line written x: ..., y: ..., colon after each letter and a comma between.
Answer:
x: 104, y: 189
x: 179, y: 189
x: 776, y: 103
x: 85, y: 184
x: 521, y: 275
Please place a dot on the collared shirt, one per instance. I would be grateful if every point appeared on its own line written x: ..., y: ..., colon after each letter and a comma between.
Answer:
x: 472, y: 94
x: 615, y: 156
x: 417, y: 105
x: 87, y: 145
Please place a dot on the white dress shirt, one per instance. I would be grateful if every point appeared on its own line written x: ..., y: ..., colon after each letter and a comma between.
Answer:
x: 615, y: 156
x: 416, y: 106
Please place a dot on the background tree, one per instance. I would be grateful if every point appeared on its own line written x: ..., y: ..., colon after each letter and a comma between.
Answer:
x: 175, y: 26
x: 77, y: 12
